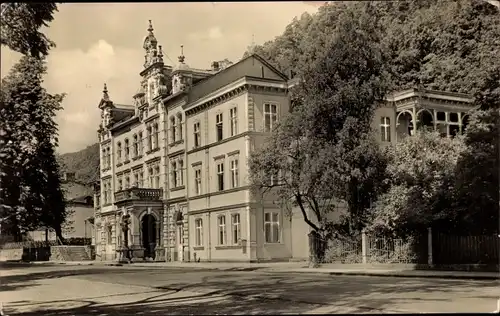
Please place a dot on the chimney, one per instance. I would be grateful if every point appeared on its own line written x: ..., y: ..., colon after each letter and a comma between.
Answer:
x: 215, y: 66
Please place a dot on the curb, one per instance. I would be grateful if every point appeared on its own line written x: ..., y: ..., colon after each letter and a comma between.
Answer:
x: 430, y: 276
x: 393, y: 275
x: 274, y: 270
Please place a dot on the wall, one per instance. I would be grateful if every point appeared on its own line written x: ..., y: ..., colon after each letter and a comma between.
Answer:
x: 76, y: 226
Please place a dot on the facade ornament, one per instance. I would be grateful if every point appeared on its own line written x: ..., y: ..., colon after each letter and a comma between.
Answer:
x: 181, y: 58
x: 105, y: 95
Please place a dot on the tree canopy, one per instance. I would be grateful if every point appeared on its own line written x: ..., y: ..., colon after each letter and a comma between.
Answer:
x: 448, y: 45
x: 27, y: 114
x: 20, y: 24
x: 323, y: 150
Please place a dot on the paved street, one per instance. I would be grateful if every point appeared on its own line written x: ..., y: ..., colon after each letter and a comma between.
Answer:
x: 94, y: 290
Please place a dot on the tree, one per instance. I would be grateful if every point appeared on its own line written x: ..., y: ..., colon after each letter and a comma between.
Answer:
x: 20, y: 24
x: 323, y: 151
x: 476, y: 192
x: 54, y: 211
x: 420, y: 178
x: 27, y: 114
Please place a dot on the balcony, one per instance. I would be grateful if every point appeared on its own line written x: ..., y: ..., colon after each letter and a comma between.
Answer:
x: 138, y: 194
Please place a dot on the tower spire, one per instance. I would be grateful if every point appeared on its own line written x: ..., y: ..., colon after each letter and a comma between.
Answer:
x: 181, y: 57
x: 150, y: 28
x: 105, y: 95
x: 251, y: 48
x: 160, y: 53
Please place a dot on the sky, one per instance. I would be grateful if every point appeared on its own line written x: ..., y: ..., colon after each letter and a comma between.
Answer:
x: 101, y: 43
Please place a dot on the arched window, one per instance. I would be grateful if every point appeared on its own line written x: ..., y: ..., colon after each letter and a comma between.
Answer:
x: 127, y: 149
x: 136, y: 146
x: 173, y: 129
x: 180, y: 126
x: 118, y: 152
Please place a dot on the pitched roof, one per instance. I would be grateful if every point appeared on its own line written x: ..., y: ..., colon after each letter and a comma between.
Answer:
x: 232, y: 73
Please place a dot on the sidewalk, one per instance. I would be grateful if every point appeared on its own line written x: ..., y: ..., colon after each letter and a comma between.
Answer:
x: 296, y: 267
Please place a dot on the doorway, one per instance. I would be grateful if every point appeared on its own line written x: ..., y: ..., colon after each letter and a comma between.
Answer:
x: 149, y: 235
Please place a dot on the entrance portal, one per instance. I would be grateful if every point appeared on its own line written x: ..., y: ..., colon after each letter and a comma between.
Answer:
x: 149, y: 235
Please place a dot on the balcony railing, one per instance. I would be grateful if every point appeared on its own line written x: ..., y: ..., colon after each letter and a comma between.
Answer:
x: 140, y: 194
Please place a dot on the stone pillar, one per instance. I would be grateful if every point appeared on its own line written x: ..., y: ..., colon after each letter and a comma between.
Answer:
x: 429, y: 246
x: 364, y: 247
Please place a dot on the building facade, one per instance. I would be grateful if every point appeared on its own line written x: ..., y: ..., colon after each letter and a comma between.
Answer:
x: 176, y: 159
x: 80, y: 204
x: 176, y: 162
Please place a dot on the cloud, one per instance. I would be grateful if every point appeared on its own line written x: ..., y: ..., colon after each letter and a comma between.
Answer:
x: 81, y: 75
x: 215, y: 33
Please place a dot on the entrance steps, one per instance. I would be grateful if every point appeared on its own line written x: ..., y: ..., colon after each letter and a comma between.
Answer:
x: 70, y: 253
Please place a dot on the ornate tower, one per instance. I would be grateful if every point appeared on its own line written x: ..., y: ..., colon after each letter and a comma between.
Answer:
x: 105, y: 106
x: 180, y: 80
x: 154, y: 74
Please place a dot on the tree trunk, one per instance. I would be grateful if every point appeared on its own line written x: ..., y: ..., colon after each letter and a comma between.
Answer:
x: 59, y: 235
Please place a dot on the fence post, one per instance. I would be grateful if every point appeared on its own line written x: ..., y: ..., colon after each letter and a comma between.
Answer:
x: 429, y: 246
x: 364, y: 246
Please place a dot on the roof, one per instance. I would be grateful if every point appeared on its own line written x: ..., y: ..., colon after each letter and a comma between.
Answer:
x: 84, y: 199
x: 252, y: 66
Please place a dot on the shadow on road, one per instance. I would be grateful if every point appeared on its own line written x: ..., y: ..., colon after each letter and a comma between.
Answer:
x: 211, y: 292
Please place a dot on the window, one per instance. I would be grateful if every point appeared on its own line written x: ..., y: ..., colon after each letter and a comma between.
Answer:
x: 199, y: 231
x: 173, y: 129
x: 150, y: 177
x: 150, y: 138
x: 222, y: 229
x: 157, y: 176
x: 156, y: 135
x: 108, y: 151
x: 141, y: 179
x: 140, y: 144
x: 136, y: 180
x: 272, y: 227
x: 220, y: 176
x: 135, y: 152
x: 127, y: 150
x: 197, y: 135
x: 119, y: 152
x: 104, y: 192
x: 109, y: 234
x: 385, y: 129
x: 275, y: 178
x: 197, y: 181
x: 174, y: 174
x: 234, y: 173
x: 270, y: 116
x: 218, y: 126
x: 127, y: 182
x: 120, y: 184
x: 235, y: 221
x: 103, y: 160
x: 180, y: 166
x: 180, y: 126
x: 234, y: 121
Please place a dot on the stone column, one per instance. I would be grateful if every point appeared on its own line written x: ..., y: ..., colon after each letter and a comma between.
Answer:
x: 364, y: 247
x: 429, y: 246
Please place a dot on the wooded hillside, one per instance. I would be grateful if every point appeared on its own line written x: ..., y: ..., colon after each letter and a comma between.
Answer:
x: 84, y: 163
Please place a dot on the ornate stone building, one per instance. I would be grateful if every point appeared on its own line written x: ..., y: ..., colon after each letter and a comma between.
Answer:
x: 176, y: 159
